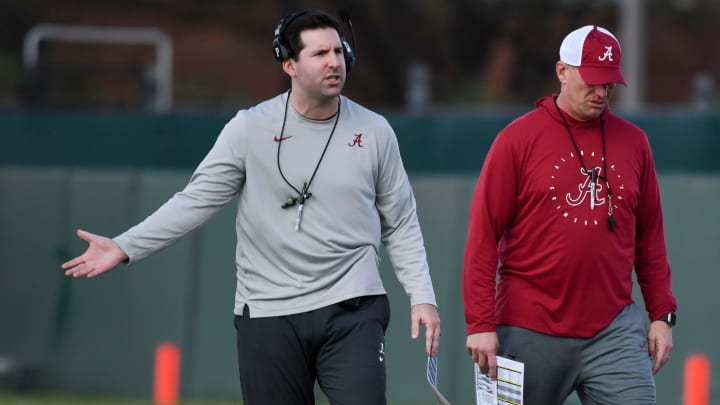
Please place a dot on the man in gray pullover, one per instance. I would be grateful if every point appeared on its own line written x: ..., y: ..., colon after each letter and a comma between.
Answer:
x: 320, y: 185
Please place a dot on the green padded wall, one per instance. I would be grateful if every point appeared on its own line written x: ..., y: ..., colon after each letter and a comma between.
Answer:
x: 98, y: 336
x: 104, y: 172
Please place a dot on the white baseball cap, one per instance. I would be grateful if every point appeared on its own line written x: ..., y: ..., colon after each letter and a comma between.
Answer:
x: 595, y: 52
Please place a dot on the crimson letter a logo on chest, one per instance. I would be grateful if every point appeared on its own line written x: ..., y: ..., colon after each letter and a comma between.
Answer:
x: 357, y: 141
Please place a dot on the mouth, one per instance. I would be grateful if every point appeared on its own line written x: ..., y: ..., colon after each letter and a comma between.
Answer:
x: 333, y: 79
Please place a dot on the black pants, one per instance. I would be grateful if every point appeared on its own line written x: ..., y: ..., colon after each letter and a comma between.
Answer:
x: 342, y: 346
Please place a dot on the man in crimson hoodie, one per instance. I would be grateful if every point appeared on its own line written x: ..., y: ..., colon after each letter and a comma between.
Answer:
x: 566, y: 205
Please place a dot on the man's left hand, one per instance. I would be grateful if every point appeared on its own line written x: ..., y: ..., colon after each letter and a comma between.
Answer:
x: 426, y: 314
x: 660, y: 344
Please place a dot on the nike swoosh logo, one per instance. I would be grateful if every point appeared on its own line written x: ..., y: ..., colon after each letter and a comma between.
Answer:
x: 276, y: 139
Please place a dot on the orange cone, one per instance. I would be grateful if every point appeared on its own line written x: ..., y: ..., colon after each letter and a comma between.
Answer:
x: 167, y: 374
x: 697, y: 380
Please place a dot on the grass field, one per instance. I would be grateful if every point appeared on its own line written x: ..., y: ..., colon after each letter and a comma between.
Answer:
x: 48, y: 399
x: 54, y: 399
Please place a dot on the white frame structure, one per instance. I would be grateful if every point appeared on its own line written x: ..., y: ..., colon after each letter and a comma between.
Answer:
x: 162, y: 70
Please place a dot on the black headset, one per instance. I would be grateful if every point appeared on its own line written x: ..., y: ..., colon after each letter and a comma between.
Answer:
x: 282, y: 51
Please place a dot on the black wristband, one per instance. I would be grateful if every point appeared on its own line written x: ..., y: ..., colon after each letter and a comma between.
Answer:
x: 670, y: 318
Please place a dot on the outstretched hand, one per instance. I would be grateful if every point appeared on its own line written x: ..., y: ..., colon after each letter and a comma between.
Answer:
x: 101, y: 256
x: 426, y: 314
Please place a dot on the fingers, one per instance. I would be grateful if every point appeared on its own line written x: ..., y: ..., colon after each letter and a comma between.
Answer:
x: 652, y: 347
x: 432, y: 340
x: 482, y: 362
x: 72, y: 263
x: 492, y: 365
x: 487, y: 363
x: 100, y: 256
x: 432, y: 334
x: 415, y: 327
x: 475, y: 355
x: 483, y: 347
x: 426, y: 314
x: 81, y: 269
x: 661, y: 357
x: 656, y: 366
x: 85, y: 235
x: 659, y: 345
x: 660, y: 361
x: 77, y: 267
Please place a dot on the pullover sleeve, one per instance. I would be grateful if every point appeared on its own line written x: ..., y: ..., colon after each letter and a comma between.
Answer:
x: 491, y: 211
x: 215, y: 182
x: 401, y: 232
x: 651, y: 260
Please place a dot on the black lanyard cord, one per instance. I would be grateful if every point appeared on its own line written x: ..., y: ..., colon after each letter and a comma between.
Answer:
x: 611, y: 218
x: 303, y: 194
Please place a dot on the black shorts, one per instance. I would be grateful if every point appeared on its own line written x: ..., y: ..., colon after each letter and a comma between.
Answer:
x: 342, y: 346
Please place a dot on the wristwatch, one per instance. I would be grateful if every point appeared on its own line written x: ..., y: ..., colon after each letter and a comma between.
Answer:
x: 670, y: 318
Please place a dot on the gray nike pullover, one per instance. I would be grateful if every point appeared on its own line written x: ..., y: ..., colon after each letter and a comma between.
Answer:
x: 361, y: 197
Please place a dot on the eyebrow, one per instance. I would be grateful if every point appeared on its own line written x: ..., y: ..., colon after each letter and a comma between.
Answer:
x: 323, y: 50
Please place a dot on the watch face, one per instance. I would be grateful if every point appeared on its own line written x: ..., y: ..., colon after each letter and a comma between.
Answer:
x: 670, y: 318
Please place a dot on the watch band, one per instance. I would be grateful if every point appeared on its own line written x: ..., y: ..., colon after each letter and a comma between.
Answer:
x: 670, y: 318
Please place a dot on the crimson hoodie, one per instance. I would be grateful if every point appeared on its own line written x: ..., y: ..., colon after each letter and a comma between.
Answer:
x: 557, y: 266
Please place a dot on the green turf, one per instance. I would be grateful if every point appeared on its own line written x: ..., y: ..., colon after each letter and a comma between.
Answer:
x: 48, y: 399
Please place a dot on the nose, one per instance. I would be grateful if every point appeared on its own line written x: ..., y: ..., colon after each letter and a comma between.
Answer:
x: 336, y: 59
x: 605, y: 89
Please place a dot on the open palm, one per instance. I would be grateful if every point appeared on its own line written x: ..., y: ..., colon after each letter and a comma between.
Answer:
x: 102, y: 255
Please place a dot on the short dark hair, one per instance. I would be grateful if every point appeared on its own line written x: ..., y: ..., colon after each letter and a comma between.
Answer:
x: 305, y: 20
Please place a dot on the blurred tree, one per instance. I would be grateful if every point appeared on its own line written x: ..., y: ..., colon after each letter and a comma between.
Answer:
x: 479, y: 52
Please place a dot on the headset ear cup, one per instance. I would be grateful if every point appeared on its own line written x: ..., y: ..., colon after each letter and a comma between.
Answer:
x: 349, y: 55
x: 279, y: 51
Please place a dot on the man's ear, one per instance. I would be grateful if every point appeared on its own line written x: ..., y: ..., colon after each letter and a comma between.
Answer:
x: 288, y: 66
x: 561, y: 70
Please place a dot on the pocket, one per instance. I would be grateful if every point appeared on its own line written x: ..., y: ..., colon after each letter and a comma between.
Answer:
x: 351, y: 304
x: 385, y: 310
